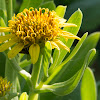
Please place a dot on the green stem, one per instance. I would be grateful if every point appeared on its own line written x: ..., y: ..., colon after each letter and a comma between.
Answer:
x: 11, y: 76
x: 36, y: 71
x: 22, y: 72
x: 9, y: 5
x: 33, y: 96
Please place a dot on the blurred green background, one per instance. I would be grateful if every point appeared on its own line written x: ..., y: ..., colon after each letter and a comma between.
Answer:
x: 91, y: 23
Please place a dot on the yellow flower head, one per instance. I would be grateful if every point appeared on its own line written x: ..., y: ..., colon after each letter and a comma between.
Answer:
x: 4, y: 86
x: 31, y: 29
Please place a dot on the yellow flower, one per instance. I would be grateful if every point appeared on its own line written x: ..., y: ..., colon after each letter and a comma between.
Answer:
x: 4, y: 86
x: 31, y: 29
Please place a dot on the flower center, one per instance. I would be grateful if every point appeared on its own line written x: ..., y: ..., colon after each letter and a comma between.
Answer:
x: 33, y: 26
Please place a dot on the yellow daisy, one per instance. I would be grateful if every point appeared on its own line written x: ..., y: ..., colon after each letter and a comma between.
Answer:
x: 31, y: 29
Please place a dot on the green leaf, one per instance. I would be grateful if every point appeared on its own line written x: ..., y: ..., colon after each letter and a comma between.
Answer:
x: 91, y: 12
x: 88, y: 86
x: 76, y: 63
x: 76, y: 18
x: 46, y: 57
x: 49, y: 4
x: 2, y: 23
x: 24, y: 63
x: 57, y: 69
x: 66, y: 87
x: 55, y: 59
x: 60, y: 10
x: 30, y: 3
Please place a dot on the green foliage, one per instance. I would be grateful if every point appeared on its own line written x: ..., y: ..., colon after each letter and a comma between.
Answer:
x: 76, y: 18
x: 88, y: 86
x: 60, y: 11
x: 46, y: 57
x: 74, y: 65
x: 90, y: 8
x: 37, y: 4
x: 60, y: 77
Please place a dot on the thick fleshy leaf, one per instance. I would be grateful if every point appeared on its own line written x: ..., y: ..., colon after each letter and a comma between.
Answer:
x: 46, y: 57
x: 76, y: 62
x: 66, y: 87
x: 88, y: 86
x: 55, y: 59
x: 60, y: 10
x: 57, y: 69
x: 34, y: 51
x: 23, y: 96
x: 76, y: 19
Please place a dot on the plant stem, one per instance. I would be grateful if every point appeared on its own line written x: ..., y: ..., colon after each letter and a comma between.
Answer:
x: 11, y: 76
x: 36, y: 71
x: 9, y: 9
x: 33, y: 96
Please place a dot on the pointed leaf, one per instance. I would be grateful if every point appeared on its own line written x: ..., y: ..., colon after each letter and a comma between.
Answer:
x: 76, y: 18
x: 66, y: 87
x: 57, y: 69
x: 46, y: 57
x: 60, y: 10
x: 76, y: 63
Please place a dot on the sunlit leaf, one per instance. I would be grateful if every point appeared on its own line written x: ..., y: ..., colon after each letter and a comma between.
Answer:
x: 60, y: 10
x: 88, y: 86
x: 76, y: 18
x: 46, y: 57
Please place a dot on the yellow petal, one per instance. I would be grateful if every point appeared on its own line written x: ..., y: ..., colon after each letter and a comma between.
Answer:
x: 69, y: 35
x: 6, y: 37
x: 54, y: 45
x: 5, y: 29
x: 68, y: 25
x: 15, y: 50
x: 61, y: 45
x: 34, y: 51
x: 8, y: 44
